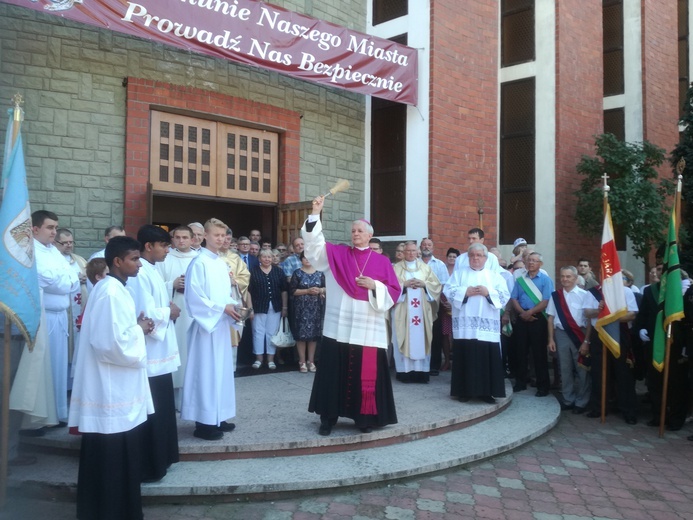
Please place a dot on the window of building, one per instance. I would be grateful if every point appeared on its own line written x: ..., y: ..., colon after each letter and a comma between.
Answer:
x: 389, y: 163
x: 683, y: 52
x: 388, y: 166
x: 615, y: 123
x: 517, y: 161
x: 386, y: 10
x: 613, y: 46
x: 215, y: 159
x: 517, y: 32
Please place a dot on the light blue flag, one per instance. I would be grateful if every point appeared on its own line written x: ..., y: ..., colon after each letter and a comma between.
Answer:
x: 19, y: 290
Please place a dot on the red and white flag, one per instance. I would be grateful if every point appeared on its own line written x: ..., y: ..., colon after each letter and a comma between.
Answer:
x: 612, y: 289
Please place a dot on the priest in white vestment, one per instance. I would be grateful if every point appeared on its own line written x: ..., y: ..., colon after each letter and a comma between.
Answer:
x: 477, y: 295
x: 209, y: 395
x: 151, y: 298
x: 173, y: 271
x: 65, y: 243
x: 110, y: 395
x: 413, y: 316
x: 58, y: 281
x: 353, y: 378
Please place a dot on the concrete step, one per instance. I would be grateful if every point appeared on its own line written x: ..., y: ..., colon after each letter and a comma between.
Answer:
x: 524, y: 419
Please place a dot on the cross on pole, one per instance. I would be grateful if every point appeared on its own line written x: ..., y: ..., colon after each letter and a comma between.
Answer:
x: 605, y: 178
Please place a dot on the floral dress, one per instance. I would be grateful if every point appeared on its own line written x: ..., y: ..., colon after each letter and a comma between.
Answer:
x: 308, y: 308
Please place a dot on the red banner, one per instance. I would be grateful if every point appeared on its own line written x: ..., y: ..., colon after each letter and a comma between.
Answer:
x: 258, y: 34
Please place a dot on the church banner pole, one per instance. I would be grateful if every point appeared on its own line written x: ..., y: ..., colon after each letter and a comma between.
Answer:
x: 665, y: 383
x: 7, y: 355
x: 604, y: 348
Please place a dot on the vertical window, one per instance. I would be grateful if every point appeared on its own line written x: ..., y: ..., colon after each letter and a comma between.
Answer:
x: 389, y: 163
x: 612, y: 19
x: 683, y: 52
x: 615, y: 123
x: 517, y: 161
x: 388, y: 166
x: 517, y: 32
x: 386, y: 10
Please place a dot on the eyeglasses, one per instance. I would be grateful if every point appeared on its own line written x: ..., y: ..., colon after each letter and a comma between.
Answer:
x: 281, y: 249
x: 66, y: 243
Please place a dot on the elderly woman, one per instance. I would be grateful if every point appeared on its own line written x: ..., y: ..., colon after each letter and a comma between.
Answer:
x: 307, y: 287
x: 477, y: 296
x: 269, y: 297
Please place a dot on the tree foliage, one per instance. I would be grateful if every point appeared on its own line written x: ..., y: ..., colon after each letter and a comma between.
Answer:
x: 638, y: 201
x: 684, y: 150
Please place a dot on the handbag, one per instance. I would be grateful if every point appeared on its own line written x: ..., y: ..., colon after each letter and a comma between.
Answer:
x: 283, y: 337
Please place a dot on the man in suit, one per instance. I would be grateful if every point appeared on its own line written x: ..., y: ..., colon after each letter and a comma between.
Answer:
x: 244, y: 252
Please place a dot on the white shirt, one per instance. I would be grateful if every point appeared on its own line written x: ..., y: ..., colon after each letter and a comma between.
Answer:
x: 576, y: 304
x: 111, y: 392
x: 592, y: 303
x: 439, y: 269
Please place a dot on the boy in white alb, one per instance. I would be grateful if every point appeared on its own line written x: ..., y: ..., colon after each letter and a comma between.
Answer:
x: 151, y: 297
x: 209, y: 396
x: 110, y: 394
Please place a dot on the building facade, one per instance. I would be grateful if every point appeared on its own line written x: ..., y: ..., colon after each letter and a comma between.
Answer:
x: 511, y: 95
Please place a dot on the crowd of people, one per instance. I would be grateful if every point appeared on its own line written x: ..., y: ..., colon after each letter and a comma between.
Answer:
x: 151, y: 326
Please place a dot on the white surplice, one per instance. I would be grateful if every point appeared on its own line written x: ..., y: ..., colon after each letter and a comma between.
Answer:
x: 209, y: 394
x: 148, y: 290
x: 175, y: 265
x: 348, y: 320
x: 476, y: 317
x: 58, y: 281
x: 111, y: 392
x: 32, y: 391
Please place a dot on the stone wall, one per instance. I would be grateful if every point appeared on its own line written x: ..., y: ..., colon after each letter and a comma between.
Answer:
x: 71, y: 77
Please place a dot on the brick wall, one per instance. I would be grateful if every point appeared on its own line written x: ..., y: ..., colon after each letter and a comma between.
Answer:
x: 75, y: 127
x: 579, y: 117
x: 660, y: 75
x: 463, y: 120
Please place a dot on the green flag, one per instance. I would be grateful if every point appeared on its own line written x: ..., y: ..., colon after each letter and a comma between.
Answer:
x: 670, y: 296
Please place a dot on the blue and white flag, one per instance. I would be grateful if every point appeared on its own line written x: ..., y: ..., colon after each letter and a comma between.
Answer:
x: 19, y: 290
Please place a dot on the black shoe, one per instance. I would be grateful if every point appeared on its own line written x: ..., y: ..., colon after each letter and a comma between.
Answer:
x: 488, y: 399
x: 61, y: 424
x: 208, y: 433
x: 326, y: 425
x: 38, y: 432
x: 366, y: 430
x: 653, y: 422
x: 226, y: 426
x: 592, y: 414
x: 631, y: 420
x: 463, y: 399
x: 674, y: 427
x: 519, y: 388
x: 434, y: 372
x: 578, y: 410
x: 566, y: 407
x: 542, y: 393
x: 690, y: 437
